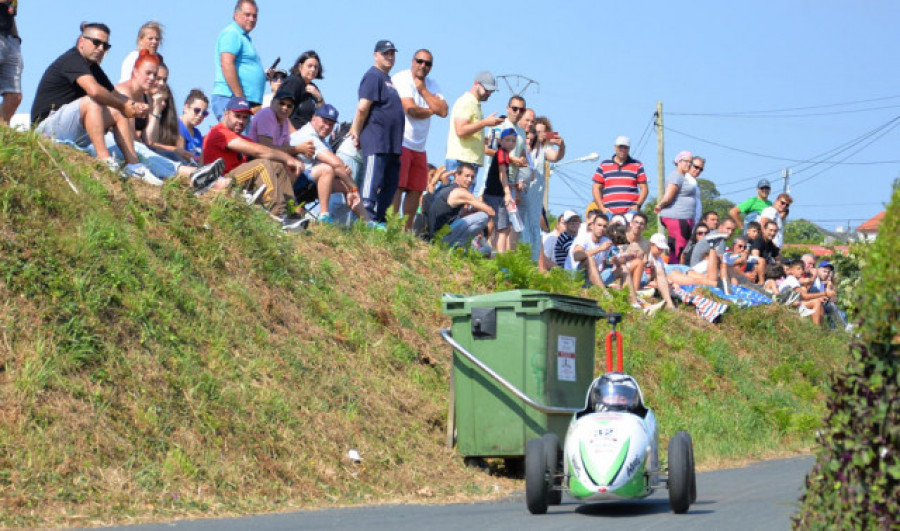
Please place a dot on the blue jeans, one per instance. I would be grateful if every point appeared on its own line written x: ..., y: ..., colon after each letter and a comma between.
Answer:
x: 464, y: 229
x: 217, y: 105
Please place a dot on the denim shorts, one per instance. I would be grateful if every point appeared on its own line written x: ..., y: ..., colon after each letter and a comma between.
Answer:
x: 11, y: 65
x: 64, y: 124
x: 501, y: 215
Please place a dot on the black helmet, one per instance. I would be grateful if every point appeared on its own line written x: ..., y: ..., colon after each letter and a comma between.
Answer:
x: 616, y: 392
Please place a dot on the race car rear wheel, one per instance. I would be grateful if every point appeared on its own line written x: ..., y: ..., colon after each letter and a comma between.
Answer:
x: 551, y: 448
x: 680, y: 472
x: 693, y: 475
x: 536, y: 479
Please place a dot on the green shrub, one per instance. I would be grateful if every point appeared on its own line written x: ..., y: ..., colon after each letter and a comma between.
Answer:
x: 855, y: 482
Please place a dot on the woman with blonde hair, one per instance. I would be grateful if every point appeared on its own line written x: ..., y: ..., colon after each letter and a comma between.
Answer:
x: 149, y: 38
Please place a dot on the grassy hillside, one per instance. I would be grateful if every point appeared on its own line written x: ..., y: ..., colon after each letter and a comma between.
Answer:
x: 164, y: 355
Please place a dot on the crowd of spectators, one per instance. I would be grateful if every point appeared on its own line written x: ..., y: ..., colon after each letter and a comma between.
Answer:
x: 288, y: 148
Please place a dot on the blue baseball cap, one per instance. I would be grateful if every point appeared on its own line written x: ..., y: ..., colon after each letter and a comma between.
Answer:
x: 238, y: 104
x: 826, y: 263
x: 327, y: 111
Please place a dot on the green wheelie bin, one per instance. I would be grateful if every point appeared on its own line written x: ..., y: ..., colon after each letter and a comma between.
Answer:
x: 522, y: 363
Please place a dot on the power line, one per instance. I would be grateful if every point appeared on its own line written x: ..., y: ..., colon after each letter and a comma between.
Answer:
x: 790, y: 109
x: 806, y: 115
x: 837, y: 150
x: 645, y: 136
x: 775, y: 157
x: 886, y: 131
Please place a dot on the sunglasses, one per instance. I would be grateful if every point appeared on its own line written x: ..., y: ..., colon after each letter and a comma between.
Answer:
x: 513, y: 108
x: 97, y: 42
x: 739, y: 246
x: 198, y: 110
x: 703, y: 233
x: 424, y: 62
x: 697, y: 167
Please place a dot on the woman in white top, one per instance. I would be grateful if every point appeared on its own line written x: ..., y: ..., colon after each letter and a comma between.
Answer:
x: 149, y: 38
x: 548, y: 147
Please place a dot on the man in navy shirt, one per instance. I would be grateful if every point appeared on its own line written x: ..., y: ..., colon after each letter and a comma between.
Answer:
x: 378, y: 131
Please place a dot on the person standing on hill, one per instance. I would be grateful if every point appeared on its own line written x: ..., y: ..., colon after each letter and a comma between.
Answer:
x: 421, y: 98
x: 239, y: 70
x: 11, y: 63
x: 679, y: 208
x: 465, y: 140
x: 620, y: 184
x: 752, y: 207
x: 378, y: 131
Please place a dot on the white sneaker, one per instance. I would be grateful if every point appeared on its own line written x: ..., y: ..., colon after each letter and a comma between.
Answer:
x: 111, y: 163
x: 143, y: 173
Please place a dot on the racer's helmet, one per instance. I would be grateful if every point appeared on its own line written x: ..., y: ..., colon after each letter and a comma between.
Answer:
x: 616, y: 392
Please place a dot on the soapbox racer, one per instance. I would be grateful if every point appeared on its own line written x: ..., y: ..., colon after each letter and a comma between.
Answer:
x: 610, y: 453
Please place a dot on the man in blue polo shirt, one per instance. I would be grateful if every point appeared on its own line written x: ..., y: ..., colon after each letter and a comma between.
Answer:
x: 378, y: 131
x: 239, y: 70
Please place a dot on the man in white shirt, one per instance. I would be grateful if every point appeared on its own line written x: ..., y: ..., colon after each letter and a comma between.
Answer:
x: 421, y: 98
x: 589, y: 250
x: 329, y: 173
x: 777, y: 213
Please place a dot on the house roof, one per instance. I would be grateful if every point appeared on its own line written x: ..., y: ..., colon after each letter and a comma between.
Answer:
x: 871, y: 226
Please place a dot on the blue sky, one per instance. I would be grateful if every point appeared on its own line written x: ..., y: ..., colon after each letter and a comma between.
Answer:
x: 601, y: 67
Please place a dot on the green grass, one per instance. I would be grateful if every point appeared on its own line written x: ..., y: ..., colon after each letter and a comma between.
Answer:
x: 166, y: 356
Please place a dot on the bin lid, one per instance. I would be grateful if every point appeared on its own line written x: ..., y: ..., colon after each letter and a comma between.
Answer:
x: 522, y: 300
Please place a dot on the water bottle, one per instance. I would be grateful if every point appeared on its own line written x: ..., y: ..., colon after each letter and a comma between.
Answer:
x: 514, y: 218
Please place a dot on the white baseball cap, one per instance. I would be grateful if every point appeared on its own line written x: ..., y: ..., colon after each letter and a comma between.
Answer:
x: 660, y: 241
x: 623, y: 141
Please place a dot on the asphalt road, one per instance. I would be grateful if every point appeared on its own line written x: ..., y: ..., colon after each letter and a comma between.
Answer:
x: 760, y: 496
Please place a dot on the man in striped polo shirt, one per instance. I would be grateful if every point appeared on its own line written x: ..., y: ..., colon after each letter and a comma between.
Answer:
x: 620, y: 185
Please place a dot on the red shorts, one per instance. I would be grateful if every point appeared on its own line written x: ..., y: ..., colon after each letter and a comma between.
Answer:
x: 413, y: 170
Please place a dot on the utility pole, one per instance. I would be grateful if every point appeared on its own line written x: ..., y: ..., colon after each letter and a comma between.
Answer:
x: 786, y: 175
x: 660, y: 161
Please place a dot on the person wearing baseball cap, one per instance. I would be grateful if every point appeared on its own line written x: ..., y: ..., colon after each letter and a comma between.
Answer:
x: 620, y: 184
x: 268, y: 176
x: 378, y: 131
x: 465, y: 140
x: 324, y: 170
x: 271, y: 126
x: 753, y: 207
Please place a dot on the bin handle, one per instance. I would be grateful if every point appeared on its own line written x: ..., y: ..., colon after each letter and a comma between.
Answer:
x: 549, y: 410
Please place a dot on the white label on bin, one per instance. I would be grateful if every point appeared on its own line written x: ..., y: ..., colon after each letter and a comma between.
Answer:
x: 565, y: 358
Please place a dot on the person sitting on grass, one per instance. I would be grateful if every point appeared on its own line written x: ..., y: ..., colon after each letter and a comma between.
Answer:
x: 329, y: 173
x: 822, y: 283
x: 139, y: 88
x: 624, y: 258
x: 564, y: 241
x: 548, y: 245
x: 701, y: 230
x: 271, y: 173
x: 456, y: 207
x: 764, y: 249
x: 707, y: 257
x: 75, y: 102
x: 774, y: 277
x: 808, y: 304
x: 589, y: 250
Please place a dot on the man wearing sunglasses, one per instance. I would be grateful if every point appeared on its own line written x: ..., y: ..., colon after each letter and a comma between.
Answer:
x: 75, y: 102
x: 515, y: 109
x: 777, y: 213
x: 421, y: 98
